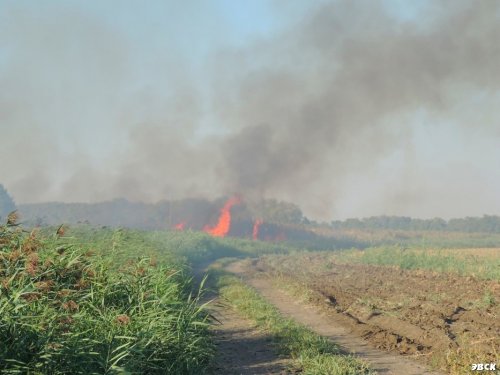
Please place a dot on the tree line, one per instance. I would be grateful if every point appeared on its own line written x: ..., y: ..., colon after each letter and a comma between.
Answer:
x: 486, y: 223
x: 198, y: 212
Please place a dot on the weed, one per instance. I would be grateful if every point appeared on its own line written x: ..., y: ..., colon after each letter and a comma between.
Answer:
x: 488, y: 299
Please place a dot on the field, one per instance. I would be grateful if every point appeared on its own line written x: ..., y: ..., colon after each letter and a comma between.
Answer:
x: 93, y: 300
x: 441, y: 306
x: 482, y: 263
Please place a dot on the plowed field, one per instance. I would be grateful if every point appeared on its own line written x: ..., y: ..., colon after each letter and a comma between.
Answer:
x: 441, y: 318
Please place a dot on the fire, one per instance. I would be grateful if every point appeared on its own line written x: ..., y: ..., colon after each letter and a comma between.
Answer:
x: 256, y: 226
x: 180, y: 226
x: 224, y: 223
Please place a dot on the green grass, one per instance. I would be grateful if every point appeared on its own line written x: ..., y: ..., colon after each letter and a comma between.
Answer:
x: 188, y: 246
x: 94, y: 303
x: 363, y: 238
x: 311, y: 353
x: 435, y: 260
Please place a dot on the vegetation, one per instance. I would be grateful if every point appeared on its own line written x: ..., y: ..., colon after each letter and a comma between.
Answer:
x: 365, y: 238
x: 98, y: 300
x: 7, y: 204
x: 199, y: 247
x: 70, y: 307
x: 458, y: 360
x: 279, y: 212
x: 479, y: 263
x: 472, y: 262
x: 195, y: 213
x: 486, y: 224
x: 312, y: 354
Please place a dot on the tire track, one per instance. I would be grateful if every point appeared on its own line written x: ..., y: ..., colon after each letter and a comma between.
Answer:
x: 380, y: 361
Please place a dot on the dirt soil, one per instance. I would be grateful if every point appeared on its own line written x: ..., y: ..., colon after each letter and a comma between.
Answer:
x: 327, y: 325
x: 242, y: 348
x: 418, y: 313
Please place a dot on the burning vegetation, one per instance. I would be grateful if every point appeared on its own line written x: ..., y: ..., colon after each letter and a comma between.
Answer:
x: 227, y: 225
x: 256, y: 227
x: 224, y: 223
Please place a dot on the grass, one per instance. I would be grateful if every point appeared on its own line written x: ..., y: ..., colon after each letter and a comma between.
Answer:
x: 311, y: 353
x: 479, y: 263
x: 465, y: 262
x: 363, y: 238
x: 188, y: 246
x: 488, y: 299
x: 458, y: 361
x: 70, y: 306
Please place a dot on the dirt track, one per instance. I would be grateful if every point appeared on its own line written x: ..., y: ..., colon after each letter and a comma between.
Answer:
x: 328, y: 326
x: 242, y: 348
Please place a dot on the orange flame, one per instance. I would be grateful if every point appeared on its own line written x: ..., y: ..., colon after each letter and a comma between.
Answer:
x: 224, y: 223
x: 256, y: 226
x: 180, y: 226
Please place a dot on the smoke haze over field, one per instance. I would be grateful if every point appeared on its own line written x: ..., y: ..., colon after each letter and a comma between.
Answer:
x: 347, y: 108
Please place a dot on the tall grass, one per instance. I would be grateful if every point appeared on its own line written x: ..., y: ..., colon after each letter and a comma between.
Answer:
x: 199, y: 247
x: 65, y: 309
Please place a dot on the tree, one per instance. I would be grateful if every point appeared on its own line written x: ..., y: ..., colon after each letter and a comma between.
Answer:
x: 281, y: 212
x: 7, y: 205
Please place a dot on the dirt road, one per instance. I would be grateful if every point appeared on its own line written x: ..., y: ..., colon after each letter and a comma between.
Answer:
x: 242, y: 348
x: 380, y: 361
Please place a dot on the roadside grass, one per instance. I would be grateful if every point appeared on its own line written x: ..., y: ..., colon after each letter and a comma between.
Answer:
x: 458, y: 361
x: 311, y: 353
x: 461, y: 262
x: 95, y: 304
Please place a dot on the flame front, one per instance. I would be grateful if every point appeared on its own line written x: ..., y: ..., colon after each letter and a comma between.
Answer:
x: 180, y: 226
x: 224, y: 222
x: 256, y: 226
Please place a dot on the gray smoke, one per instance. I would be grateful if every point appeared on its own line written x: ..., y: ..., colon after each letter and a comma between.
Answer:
x: 338, y: 83
x: 295, y: 116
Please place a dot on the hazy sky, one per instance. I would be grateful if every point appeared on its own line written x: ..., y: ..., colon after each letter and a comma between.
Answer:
x: 347, y: 108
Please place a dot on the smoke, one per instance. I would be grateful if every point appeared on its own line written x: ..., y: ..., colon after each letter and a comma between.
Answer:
x: 337, y: 94
x: 348, y: 95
